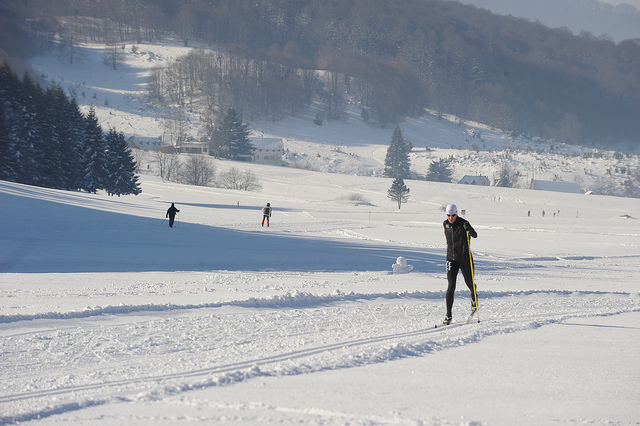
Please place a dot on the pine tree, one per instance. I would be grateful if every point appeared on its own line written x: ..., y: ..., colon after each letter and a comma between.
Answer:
x: 94, y: 156
x: 507, y: 177
x: 396, y: 163
x: 236, y: 135
x: 73, y: 145
x: 398, y: 192
x: 51, y: 161
x: 28, y: 133
x: 7, y: 159
x: 231, y: 137
x: 440, y: 171
x: 121, y: 177
x: 9, y: 107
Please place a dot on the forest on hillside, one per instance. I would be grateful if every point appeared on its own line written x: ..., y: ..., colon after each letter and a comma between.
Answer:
x: 392, y: 58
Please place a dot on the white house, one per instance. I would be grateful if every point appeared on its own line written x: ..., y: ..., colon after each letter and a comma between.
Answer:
x: 268, y: 150
x: 475, y: 180
x: 193, y: 147
x: 189, y: 146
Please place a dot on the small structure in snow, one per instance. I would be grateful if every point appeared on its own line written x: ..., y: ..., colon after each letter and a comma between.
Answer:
x: 401, y: 267
x: 475, y: 180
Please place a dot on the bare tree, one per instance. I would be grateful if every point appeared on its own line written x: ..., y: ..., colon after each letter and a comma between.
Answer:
x: 197, y: 170
x: 235, y: 179
x: 69, y: 45
x: 168, y: 164
x: 113, y: 54
x: 175, y: 126
x: 139, y: 156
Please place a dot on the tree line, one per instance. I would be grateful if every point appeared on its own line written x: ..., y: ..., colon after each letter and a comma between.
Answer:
x: 46, y: 141
x: 393, y: 58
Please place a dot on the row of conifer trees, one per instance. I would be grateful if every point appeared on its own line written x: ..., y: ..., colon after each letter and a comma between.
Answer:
x: 45, y: 140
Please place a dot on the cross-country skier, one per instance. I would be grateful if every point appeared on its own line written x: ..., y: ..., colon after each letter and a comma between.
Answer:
x: 458, y: 256
x: 171, y: 214
x: 266, y: 213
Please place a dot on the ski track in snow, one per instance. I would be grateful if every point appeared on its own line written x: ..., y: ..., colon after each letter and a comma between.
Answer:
x: 70, y: 341
x: 77, y: 332
x: 126, y: 358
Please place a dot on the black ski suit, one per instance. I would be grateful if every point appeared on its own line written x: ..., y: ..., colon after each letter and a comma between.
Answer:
x: 458, y: 256
x: 171, y: 214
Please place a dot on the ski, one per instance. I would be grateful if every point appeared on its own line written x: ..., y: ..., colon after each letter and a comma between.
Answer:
x: 468, y: 321
x: 475, y: 311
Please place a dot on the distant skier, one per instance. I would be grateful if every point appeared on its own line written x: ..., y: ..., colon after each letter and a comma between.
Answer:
x: 458, y: 256
x: 171, y: 214
x: 266, y: 214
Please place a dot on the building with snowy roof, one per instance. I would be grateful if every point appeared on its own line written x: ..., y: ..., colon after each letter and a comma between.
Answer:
x: 267, y: 150
x: 475, y: 180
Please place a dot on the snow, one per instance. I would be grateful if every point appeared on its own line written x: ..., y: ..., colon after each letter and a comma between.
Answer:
x: 108, y: 316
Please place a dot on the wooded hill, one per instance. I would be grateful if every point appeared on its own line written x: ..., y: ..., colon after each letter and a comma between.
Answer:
x: 393, y: 58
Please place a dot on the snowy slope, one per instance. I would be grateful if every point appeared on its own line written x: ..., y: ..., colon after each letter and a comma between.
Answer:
x: 108, y: 316
x: 348, y: 146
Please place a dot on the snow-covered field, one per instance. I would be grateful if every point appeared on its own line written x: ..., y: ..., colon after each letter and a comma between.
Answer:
x: 108, y: 316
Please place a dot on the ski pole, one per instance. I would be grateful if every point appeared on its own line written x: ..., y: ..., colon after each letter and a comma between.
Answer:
x: 473, y: 280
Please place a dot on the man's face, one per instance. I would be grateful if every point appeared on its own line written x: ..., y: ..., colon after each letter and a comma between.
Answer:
x: 452, y: 217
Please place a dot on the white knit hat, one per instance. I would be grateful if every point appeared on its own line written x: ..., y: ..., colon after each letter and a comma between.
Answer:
x: 452, y: 209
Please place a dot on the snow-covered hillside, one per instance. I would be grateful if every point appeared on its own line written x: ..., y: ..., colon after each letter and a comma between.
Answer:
x: 108, y: 316
x: 348, y: 146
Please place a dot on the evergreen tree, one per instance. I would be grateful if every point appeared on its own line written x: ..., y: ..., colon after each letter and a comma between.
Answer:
x: 72, y: 146
x: 46, y: 141
x: 121, y: 166
x: 7, y: 170
x: 440, y: 171
x: 28, y: 133
x: 396, y: 163
x: 51, y: 160
x: 231, y: 137
x: 507, y: 177
x: 94, y: 161
x: 398, y: 192
x: 9, y: 88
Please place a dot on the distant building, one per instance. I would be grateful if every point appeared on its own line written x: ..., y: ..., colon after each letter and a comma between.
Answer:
x: 267, y: 150
x: 475, y: 180
x: 190, y: 146
x: 152, y: 144
x: 556, y: 186
x: 193, y: 147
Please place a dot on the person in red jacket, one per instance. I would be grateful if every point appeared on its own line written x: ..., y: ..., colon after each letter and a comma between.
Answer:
x: 266, y: 214
x: 458, y: 256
